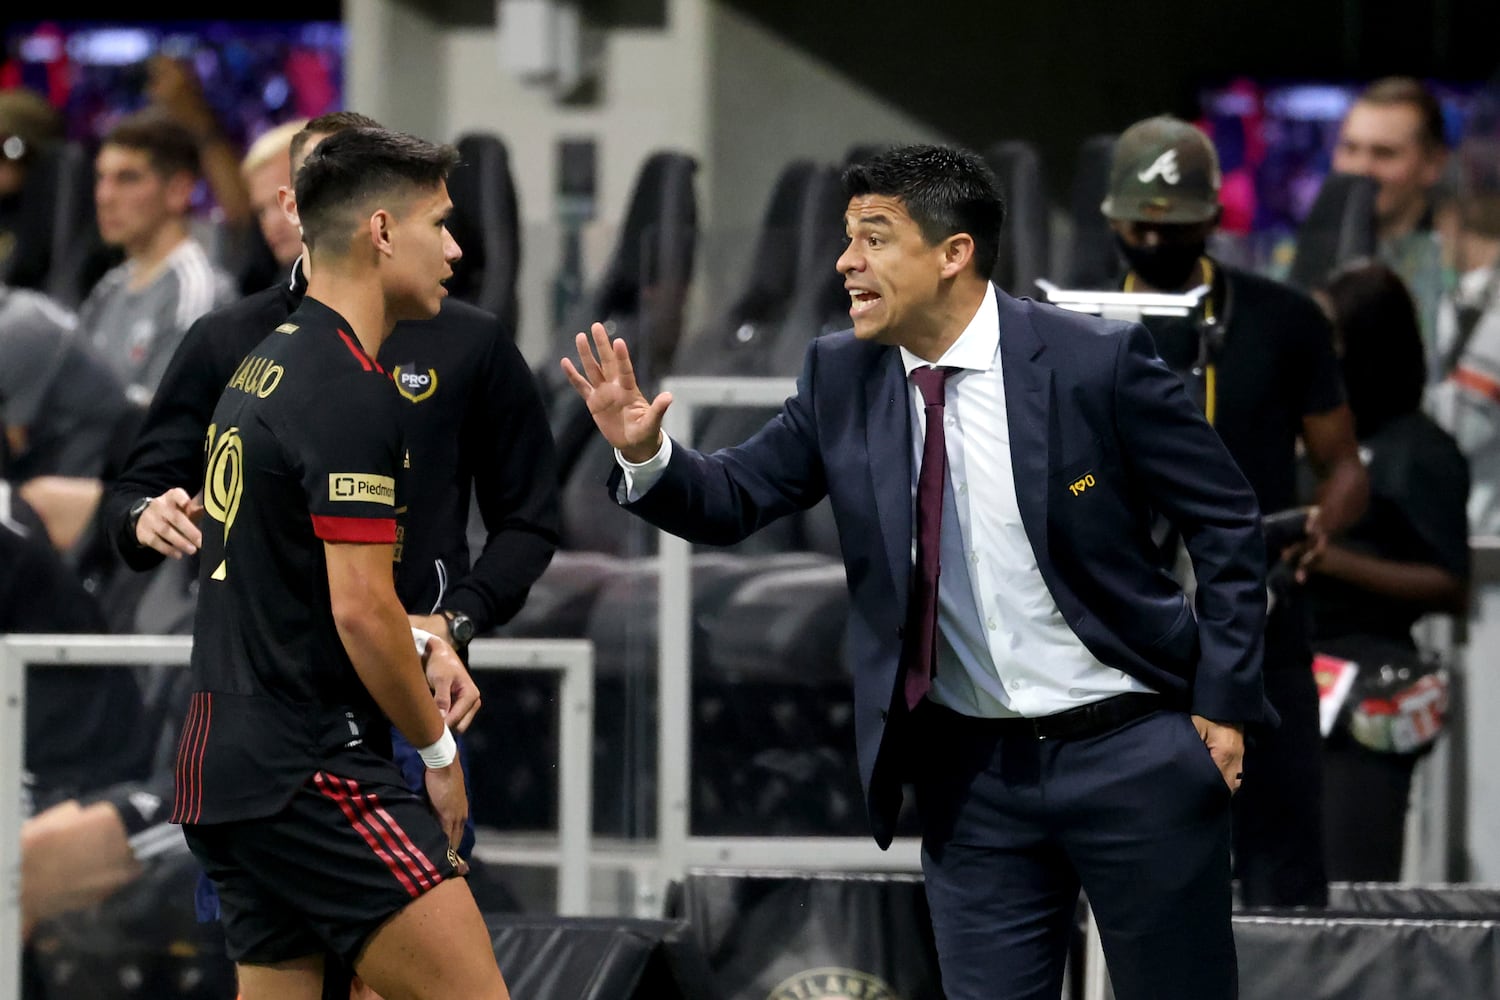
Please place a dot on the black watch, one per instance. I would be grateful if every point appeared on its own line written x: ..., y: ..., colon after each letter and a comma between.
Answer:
x: 136, y: 510
x: 460, y: 628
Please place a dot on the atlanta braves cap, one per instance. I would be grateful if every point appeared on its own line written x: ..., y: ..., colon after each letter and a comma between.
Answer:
x: 1163, y: 170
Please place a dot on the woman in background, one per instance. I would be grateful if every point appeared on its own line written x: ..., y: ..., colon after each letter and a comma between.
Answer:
x: 1408, y: 556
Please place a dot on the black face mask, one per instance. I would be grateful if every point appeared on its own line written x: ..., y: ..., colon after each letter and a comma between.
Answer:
x: 1166, y: 266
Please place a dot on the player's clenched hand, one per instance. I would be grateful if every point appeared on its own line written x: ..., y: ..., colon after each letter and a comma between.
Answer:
x: 168, y: 524
x: 445, y: 789
x: 453, y: 689
x: 605, y: 379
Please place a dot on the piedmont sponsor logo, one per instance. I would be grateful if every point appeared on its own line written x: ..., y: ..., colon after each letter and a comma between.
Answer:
x: 832, y: 984
x: 362, y: 487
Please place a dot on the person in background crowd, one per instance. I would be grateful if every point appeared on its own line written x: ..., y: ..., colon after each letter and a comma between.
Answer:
x: 29, y: 125
x: 137, y: 314
x: 1394, y: 132
x: 1406, y: 557
x: 1269, y: 379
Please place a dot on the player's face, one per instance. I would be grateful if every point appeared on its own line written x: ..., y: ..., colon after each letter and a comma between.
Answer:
x: 280, y: 232
x: 132, y: 200
x: 424, y: 255
x: 891, y: 272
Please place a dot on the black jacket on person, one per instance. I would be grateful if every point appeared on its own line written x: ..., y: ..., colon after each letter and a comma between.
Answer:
x: 474, y: 413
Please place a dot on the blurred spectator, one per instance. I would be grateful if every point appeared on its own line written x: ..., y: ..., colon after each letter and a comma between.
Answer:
x: 1260, y: 362
x: 1406, y: 557
x: 174, y: 89
x: 267, y: 170
x: 81, y: 722
x: 59, y: 402
x: 1394, y: 133
x: 138, y: 312
x: 1466, y: 400
x: 28, y: 125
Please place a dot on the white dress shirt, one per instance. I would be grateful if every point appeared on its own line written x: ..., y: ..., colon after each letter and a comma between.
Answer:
x: 1004, y: 648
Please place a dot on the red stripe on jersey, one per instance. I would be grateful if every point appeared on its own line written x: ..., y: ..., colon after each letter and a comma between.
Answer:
x: 357, y: 351
x: 372, y: 802
x: 330, y: 787
x: 187, y: 778
x: 208, y: 719
x: 370, y: 530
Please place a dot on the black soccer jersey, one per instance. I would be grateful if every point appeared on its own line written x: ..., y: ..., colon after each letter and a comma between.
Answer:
x: 305, y: 447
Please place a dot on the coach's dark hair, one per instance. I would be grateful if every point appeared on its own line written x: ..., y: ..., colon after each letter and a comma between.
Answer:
x: 326, y: 125
x: 347, y: 170
x: 170, y: 147
x: 945, y: 189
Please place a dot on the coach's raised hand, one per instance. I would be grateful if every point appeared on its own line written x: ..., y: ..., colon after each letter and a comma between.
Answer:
x: 605, y: 379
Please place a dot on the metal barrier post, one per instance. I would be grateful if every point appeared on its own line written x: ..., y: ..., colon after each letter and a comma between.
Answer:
x: 572, y: 659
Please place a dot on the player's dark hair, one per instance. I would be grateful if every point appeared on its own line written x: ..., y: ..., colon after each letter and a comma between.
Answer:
x: 347, y: 173
x: 326, y: 125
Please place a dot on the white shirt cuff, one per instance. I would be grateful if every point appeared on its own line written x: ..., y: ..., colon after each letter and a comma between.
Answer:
x: 641, y: 476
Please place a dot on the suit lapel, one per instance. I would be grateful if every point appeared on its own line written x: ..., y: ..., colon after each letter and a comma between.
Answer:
x: 888, y: 445
x: 1028, y: 410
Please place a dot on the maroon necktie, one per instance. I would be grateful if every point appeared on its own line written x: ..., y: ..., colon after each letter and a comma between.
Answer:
x: 920, y: 653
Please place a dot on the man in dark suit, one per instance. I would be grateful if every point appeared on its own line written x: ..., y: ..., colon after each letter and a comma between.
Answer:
x: 1067, y: 716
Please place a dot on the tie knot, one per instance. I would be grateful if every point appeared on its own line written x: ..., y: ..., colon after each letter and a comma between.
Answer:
x: 930, y: 381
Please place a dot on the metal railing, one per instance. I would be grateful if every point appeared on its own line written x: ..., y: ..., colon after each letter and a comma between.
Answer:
x: 678, y: 848
x: 572, y: 660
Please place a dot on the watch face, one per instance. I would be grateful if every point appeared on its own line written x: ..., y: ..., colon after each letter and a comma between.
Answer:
x: 461, y: 627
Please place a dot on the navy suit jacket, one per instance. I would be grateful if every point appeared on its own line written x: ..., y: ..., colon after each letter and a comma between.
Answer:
x: 1102, y: 434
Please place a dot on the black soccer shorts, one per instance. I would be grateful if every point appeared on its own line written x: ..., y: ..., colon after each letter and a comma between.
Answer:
x: 325, y: 872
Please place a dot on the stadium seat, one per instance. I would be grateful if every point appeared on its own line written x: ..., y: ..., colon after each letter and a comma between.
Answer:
x: 641, y: 297
x: 1026, y: 238
x: 1092, y: 260
x: 1339, y: 227
x: 486, y: 224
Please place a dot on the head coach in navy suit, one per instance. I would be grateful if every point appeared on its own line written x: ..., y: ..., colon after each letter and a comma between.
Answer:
x: 1067, y: 717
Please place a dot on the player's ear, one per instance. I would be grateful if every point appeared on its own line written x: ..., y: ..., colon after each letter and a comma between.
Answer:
x: 381, y: 225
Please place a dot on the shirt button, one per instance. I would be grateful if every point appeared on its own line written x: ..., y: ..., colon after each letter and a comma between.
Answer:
x: 1017, y: 685
x: 990, y: 624
x: 951, y: 421
x: 974, y: 558
x: 963, y: 489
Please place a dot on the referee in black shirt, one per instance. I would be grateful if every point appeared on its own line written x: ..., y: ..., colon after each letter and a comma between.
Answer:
x: 302, y: 655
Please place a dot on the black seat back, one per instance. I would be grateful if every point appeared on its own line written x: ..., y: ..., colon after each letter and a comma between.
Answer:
x: 736, y: 342
x: 486, y: 224
x: 1340, y: 227
x: 642, y: 298
x: 1026, y: 239
x: 1092, y: 260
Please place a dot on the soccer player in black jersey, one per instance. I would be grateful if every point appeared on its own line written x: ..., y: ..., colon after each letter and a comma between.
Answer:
x: 302, y: 655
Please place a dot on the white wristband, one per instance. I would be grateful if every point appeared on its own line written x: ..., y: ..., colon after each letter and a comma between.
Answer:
x: 441, y: 753
x: 420, y: 637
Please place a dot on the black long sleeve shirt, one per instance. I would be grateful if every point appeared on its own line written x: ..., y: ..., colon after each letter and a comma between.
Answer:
x: 474, y: 425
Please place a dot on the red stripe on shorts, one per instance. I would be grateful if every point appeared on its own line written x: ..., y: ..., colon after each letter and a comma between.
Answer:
x: 329, y: 785
x: 431, y: 877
